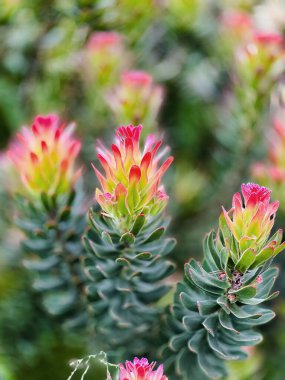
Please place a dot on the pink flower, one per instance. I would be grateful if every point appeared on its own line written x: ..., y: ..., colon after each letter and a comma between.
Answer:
x: 237, y: 20
x: 140, y: 369
x: 45, y: 155
x: 253, y: 216
x: 136, y: 99
x: 250, y: 221
x: 103, y: 40
x: 236, y: 25
x: 105, y: 58
x: 261, y: 51
x: 272, y: 171
x: 131, y: 183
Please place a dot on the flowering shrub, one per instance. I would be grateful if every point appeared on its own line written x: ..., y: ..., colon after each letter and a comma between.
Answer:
x: 103, y: 280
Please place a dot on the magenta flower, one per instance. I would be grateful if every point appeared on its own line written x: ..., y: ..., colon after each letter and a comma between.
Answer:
x: 131, y: 183
x: 45, y: 155
x: 141, y: 369
x: 250, y: 221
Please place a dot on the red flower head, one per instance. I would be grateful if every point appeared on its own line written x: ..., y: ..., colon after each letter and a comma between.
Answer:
x: 131, y: 183
x: 250, y: 221
x: 45, y: 156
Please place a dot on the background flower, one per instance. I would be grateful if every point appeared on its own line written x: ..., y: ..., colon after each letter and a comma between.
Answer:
x: 45, y: 155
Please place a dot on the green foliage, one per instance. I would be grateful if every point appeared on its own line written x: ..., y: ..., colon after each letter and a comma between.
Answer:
x: 126, y: 274
x: 52, y: 249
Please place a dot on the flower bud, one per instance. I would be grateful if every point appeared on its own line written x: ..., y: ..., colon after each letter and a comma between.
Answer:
x: 236, y: 27
x: 259, y: 60
x: 45, y: 155
x: 136, y: 99
x: 246, y: 227
x: 105, y: 57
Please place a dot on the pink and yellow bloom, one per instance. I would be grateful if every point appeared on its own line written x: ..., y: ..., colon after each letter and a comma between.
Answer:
x: 105, y: 57
x: 141, y: 369
x: 131, y: 183
x: 136, y: 99
x: 249, y: 223
x: 236, y: 27
x: 261, y: 54
x: 272, y: 172
x: 45, y: 155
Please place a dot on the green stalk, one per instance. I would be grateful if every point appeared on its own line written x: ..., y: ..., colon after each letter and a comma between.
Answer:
x: 126, y: 280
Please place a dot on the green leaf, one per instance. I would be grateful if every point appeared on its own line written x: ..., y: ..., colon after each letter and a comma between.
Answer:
x: 195, y: 343
x: 223, y: 302
x: 264, y: 316
x: 65, y: 214
x: 192, y: 322
x: 155, y: 235
x: 211, y: 323
x: 257, y: 301
x: 107, y: 239
x: 245, y: 292
x: 245, y: 261
x: 71, y: 198
x: 279, y: 249
x: 167, y: 246
x: 263, y: 256
x: 144, y: 256
x: 245, y: 243
x: 122, y: 261
x: 208, y: 254
x: 226, y: 322
x: 46, y: 201
x: 207, y: 307
x: 138, y: 224
x: 177, y: 341
x: 242, y: 312
x: 212, y: 365
x: 226, y: 232
x: 42, y: 265
x: 204, y: 280
x: 128, y: 238
x: 226, y: 351
x: 37, y: 245
x: 48, y: 282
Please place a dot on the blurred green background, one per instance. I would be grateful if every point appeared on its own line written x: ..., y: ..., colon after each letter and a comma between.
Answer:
x: 183, y: 45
